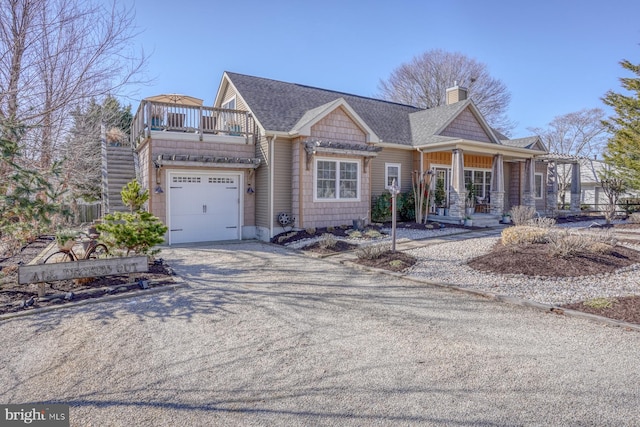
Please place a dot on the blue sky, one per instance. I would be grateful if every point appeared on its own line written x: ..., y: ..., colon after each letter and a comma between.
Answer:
x: 555, y: 57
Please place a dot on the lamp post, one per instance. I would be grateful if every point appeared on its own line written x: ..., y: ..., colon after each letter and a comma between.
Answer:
x: 394, y: 190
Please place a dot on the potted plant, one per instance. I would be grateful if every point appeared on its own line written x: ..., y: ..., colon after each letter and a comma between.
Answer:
x: 506, y: 218
x: 65, y: 239
x: 468, y: 222
x: 440, y: 197
x: 470, y: 201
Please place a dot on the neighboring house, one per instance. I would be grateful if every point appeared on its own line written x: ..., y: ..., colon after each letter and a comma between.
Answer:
x: 318, y: 156
x: 592, y: 196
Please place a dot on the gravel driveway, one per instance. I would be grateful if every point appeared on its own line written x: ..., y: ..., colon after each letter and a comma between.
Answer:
x: 266, y: 336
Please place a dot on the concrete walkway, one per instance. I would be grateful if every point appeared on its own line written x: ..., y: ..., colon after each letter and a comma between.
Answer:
x: 266, y: 336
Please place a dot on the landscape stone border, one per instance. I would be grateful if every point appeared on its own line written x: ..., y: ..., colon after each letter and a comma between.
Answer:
x: 128, y: 293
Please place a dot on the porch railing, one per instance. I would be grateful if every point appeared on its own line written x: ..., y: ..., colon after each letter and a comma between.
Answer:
x: 170, y: 117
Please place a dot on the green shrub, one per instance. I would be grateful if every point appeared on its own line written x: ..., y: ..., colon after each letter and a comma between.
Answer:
x: 64, y: 235
x: 381, y: 208
x: 311, y: 231
x: 406, y: 206
x: 133, y: 196
x: 135, y: 232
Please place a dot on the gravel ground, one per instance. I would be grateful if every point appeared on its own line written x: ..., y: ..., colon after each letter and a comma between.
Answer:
x: 446, y: 263
x: 267, y: 336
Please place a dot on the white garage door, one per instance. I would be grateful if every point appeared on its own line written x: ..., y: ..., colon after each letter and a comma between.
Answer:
x: 203, y: 207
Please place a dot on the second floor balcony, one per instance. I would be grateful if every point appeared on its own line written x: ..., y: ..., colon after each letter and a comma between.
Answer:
x: 184, y: 117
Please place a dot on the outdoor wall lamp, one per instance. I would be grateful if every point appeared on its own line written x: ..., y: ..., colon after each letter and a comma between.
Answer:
x: 158, y: 189
x: 250, y: 189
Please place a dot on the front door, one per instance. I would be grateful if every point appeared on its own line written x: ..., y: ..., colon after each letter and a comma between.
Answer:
x: 441, y: 180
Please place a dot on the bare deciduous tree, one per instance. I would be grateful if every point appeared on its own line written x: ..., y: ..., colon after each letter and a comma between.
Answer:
x: 613, y: 187
x: 423, y: 83
x: 578, y: 134
x: 54, y: 56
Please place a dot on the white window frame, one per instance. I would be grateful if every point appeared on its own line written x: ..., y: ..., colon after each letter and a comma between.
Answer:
x: 226, y: 104
x: 535, y: 179
x: 387, y: 185
x: 337, y: 188
x: 485, y: 183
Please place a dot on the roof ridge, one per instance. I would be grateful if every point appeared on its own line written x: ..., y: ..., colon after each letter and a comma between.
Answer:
x: 329, y: 90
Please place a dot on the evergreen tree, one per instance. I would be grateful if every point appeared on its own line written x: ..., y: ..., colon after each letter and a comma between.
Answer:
x: 82, y: 153
x: 29, y: 197
x: 623, y: 148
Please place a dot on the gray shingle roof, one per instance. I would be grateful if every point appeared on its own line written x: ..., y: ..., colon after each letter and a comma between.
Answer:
x: 425, y: 123
x: 527, y: 142
x: 279, y: 106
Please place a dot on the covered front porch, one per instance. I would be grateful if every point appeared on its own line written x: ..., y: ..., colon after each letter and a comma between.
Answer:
x: 481, y: 181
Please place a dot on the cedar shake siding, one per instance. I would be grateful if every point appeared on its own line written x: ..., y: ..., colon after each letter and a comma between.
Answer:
x: 324, y: 213
x: 466, y: 126
x: 516, y: 178
x: 152, y: 148
x: 337, y: 126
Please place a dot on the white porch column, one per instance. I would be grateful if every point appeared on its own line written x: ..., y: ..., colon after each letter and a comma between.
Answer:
x: 457, y: 192
x: 529, y: 182
x: 552, y: 188
x: 496, y: 194
x: 576, y: 189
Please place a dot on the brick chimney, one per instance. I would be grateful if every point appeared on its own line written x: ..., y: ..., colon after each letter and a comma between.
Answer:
x: 456, y: 94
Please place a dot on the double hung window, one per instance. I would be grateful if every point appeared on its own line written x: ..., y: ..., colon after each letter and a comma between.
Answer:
x: 337, y: 180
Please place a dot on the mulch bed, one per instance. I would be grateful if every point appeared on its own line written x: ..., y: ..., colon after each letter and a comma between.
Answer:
x: 387, y: 261
x: 626, y: 309
x: 535, y: 260
x: 340, y: 246
x: 14, y: 297
x: 291, y: 236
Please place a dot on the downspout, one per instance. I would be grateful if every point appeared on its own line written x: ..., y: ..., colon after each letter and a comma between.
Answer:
x: 271, y: 143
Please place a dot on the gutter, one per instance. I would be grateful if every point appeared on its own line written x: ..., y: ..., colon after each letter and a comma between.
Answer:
x: 480, y: 148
